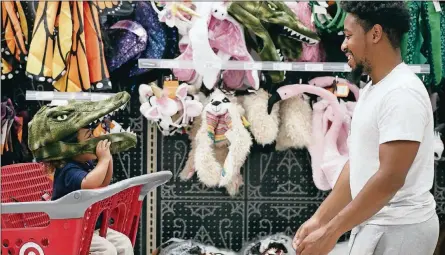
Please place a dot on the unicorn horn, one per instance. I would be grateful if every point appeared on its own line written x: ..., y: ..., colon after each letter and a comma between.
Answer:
x: 156, y: 90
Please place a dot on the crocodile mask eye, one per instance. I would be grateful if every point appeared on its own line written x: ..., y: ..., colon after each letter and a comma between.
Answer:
x: 62, y: 117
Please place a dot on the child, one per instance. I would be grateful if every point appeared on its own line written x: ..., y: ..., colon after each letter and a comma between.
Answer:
x: 80, y: 173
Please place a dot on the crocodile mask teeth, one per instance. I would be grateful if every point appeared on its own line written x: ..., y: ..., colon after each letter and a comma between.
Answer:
x: 261, y: 17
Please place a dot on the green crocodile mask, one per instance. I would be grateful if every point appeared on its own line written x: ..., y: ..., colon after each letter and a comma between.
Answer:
x: 263, y: 16
x: 51, y: 125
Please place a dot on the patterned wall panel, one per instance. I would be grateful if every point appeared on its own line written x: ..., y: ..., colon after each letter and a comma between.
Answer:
x: 278, y: 196
x: 133, y: 162
x: 439, y: 190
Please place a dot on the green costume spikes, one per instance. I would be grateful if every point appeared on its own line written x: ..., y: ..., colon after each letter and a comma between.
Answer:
x: 263, y: 16
x: 51, y: 125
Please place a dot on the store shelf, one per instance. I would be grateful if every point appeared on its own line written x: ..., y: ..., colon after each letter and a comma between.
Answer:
x: 257, y: 65
x: 54, y: 95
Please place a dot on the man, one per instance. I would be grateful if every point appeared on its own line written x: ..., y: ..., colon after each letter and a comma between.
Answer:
x: 382, y: 193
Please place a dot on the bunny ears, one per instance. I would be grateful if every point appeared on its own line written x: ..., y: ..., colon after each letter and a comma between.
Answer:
x: 162, y: 107
x: 173, y: 15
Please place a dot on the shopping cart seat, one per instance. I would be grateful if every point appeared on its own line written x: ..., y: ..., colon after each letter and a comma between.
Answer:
x: 49, y: 227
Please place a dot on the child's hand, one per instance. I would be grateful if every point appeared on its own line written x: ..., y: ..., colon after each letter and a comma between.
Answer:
x: 103, y: 150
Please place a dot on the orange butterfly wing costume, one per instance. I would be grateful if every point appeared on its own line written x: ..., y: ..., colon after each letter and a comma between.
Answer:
x: 73, y: 57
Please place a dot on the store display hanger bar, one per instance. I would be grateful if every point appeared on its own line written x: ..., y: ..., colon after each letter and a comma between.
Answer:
x: 54, y: 95
x: 259, y: 65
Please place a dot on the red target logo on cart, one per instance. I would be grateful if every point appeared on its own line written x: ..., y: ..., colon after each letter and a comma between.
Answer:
x: 31, y: 248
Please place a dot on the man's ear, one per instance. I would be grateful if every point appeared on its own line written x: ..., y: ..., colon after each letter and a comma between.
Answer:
x: 377, y: 33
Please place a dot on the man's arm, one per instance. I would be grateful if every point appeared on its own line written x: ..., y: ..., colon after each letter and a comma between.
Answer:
x: 109, y: 175
x: 396, y: 158
x: 333, y: 204
x: 339, y: 197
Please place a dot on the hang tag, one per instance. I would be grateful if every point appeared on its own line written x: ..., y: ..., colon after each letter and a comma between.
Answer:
x: 320, y: 10
x: 437, y: 6
x: 170, y: 86
x: 323, y: 3
x: 342, y: 90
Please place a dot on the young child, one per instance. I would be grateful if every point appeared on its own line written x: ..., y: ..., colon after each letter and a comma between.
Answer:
x: 80, y: 173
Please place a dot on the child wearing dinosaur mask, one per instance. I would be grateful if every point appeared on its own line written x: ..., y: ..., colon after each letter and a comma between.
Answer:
x: 81, y: 173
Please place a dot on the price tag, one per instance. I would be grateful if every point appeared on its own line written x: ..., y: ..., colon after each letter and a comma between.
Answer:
x: 253, y: 66
x: 213, y: 65
x: 170, y: 87
x: 145, y: 64
x: 342, y: 90
x: 282, y: 66
x: 415, y: 69
x: 437, y: 6
x: 313, y: 67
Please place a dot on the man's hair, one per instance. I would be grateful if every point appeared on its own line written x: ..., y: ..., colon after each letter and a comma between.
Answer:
x: 394, y: 17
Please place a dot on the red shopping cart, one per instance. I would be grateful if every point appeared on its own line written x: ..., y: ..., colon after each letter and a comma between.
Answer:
x: 31, y: 225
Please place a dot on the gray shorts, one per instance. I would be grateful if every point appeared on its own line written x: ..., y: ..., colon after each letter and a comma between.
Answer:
x: 414, y: 239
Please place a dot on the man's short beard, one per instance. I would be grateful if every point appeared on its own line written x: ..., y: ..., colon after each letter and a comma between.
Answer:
x: 356, y: 73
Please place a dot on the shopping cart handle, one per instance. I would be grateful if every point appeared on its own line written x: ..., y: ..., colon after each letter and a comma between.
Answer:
x: 74, y: 204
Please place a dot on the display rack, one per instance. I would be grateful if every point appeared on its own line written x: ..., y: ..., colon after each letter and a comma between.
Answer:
x: 260, y: 65
x: 55, y: 95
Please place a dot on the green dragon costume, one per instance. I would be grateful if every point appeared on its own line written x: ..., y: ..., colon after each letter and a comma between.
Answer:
x: 51, y: 125
x: 267, y: 18
x: 424, y: 41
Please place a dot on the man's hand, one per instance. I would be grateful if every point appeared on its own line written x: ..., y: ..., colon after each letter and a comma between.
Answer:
x: 307, y: 228
x: 334, y: 203
x: 319, y: 242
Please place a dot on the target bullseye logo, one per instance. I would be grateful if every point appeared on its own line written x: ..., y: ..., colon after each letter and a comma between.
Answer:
x: 31, y: 248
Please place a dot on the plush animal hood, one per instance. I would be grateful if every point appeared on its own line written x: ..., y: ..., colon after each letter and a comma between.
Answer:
x: 260, y: 16
x: 51, y: 125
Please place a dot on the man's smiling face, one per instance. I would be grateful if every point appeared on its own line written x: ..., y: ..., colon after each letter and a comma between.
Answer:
x: 355, y: 45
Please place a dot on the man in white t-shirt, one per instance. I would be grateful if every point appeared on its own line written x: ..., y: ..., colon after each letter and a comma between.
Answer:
x: 383, y: 193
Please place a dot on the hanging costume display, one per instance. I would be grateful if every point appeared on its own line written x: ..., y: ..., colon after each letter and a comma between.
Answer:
x: 425, y: 41
x: 14, y: 134
x: 172, y: 110
x: 255, y: 16
x: 79, y: 46
x: 226, y: 42
x: 222, y: 144
x: 66, y: 48
x: 15, y: 43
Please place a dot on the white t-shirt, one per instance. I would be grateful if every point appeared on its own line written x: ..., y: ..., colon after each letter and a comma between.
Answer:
x: 396, y: 108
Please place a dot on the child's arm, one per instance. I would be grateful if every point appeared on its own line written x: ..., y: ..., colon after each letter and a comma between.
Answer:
x: 96, y: 177
x: 109, y: 175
